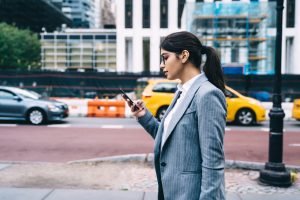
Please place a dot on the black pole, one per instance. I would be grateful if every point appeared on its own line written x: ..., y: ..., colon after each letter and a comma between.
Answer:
x: 275, y: 172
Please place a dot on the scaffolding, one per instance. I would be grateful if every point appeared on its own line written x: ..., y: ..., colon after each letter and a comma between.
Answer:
x: 238, y: 30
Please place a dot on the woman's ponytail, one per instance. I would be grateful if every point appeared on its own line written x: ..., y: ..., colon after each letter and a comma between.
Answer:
x: 212, y: 68
x: 183, y: 40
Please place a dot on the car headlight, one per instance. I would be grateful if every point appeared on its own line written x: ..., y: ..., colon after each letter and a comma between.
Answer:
x: 53, y: 108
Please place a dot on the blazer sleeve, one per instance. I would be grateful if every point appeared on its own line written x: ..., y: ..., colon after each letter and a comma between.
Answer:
x: 211, y: 111
x: 149, y: 123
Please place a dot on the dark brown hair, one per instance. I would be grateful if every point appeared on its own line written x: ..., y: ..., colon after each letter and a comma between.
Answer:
x: 179, y: 41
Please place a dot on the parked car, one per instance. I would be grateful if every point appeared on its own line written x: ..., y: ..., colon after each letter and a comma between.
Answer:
x: 21, y: 104
x: 243, y: 110
x: 296, y: 109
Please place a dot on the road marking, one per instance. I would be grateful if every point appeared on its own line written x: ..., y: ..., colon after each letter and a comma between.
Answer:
x: 113, y: 126
x: 8, y: 125
x: 59, y: 126
x: 294, y: 145
x: 268, y: 130
x: 265, y: 129
x: 227, y: 129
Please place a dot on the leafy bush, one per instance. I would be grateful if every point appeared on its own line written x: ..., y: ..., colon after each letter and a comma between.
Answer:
x: 19, y: 49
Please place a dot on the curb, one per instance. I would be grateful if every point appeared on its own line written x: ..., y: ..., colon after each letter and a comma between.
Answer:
x: 149, y: 158
x: 139, y: 158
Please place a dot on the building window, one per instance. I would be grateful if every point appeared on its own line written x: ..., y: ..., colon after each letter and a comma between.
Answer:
x: 48, y: 37
x: 146, y: 54
x: 128, y: 13
x: 199, y: 0
x: 164, y: 14
x: 180, y: 10
x: 289, y: 54
x: 128, y: 56
x: 146, y: 13
x: 234, y: 54
x: 290, y: 14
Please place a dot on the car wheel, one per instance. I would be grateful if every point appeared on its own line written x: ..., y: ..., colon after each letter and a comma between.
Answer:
x: 161, y: 112
x: 245, y: 117
x: 36, y: 116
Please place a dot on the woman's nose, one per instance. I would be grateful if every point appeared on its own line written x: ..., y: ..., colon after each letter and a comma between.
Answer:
x: 162, y: 65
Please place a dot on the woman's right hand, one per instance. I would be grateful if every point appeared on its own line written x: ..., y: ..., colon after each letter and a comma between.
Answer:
x: 138, y: 112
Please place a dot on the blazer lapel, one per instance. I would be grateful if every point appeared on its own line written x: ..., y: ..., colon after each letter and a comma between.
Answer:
x: 185, y: 103
x: 161, y: 127
x: 171, y: 105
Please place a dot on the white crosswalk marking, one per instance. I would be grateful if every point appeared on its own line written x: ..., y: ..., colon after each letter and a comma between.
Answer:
x: 227, y: 129
x: 8, y: 125
x: 59, y: 125
x: 113, y: 126
x: 265, y: 129
x: 294, y: 145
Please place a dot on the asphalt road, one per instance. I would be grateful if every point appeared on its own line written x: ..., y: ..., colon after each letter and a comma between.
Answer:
x: 86, y: 138
x: 90, y: 122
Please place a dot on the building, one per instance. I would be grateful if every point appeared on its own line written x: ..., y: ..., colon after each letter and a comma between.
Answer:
x: 142, y: 24
x: 79, y: 49
x: 243, y: 31
x: 105, y: 14
x: 140, y: 27
x: 32, y: 14
x: 97, y: 14
x: 252, y: 46
x: 82, y: 12
x: 240, y: 31
x: 291, y: 37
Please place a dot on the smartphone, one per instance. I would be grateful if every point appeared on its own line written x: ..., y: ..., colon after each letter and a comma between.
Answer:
x: 130, y: 102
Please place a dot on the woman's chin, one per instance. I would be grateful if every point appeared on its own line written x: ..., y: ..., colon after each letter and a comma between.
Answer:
x: 168, y: 76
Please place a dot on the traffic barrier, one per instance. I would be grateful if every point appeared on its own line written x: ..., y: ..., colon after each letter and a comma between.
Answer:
x: 77, y: 107
x: 106, y: 108
x: 118, y: 108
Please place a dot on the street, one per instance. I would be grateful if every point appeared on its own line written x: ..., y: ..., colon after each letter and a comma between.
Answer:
x: 86, y: 138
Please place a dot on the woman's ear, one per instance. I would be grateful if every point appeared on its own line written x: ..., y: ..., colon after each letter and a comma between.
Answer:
x: 185, y: 56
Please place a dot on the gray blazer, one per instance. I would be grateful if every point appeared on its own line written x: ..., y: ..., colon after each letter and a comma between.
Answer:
x: 190, y: 164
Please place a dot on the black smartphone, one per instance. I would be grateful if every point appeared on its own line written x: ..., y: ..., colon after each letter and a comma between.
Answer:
x: 130, y: 102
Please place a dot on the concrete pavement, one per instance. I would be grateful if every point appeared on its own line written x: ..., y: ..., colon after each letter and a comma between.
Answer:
x: 69, y: 194
x: 80, y: 194
x: 23, y: 181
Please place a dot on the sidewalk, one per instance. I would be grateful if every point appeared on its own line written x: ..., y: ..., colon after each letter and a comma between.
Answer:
x: 129, y: 177
x: 63, y: 194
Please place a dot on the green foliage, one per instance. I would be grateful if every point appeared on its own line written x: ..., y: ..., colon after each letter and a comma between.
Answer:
x: 19, y: 49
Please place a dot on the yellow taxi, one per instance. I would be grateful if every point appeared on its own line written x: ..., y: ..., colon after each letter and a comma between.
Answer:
x: 243, y: 110
x: 296, y: 109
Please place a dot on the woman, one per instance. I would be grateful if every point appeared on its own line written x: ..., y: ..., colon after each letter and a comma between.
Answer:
x: 189, y: 156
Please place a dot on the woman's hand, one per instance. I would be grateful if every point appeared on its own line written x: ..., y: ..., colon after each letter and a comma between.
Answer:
x: 138, y: 108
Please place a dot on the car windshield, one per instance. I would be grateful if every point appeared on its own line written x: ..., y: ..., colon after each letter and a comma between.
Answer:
x: 27, y: 93
x: 165, y: 87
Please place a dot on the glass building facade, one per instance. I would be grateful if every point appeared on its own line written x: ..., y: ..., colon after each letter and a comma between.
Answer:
x: 242, y: 32
x: 79, y: 51
x: 82, y: 12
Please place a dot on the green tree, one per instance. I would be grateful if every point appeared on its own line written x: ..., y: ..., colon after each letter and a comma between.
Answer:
x: 19, y: 49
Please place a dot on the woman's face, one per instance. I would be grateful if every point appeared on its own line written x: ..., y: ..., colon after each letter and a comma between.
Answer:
x: 171, y: 64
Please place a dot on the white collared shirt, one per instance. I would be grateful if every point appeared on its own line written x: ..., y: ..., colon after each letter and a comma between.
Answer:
x: 184, y: 89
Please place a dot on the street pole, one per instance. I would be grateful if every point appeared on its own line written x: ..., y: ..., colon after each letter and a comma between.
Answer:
x: 275, y: 172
